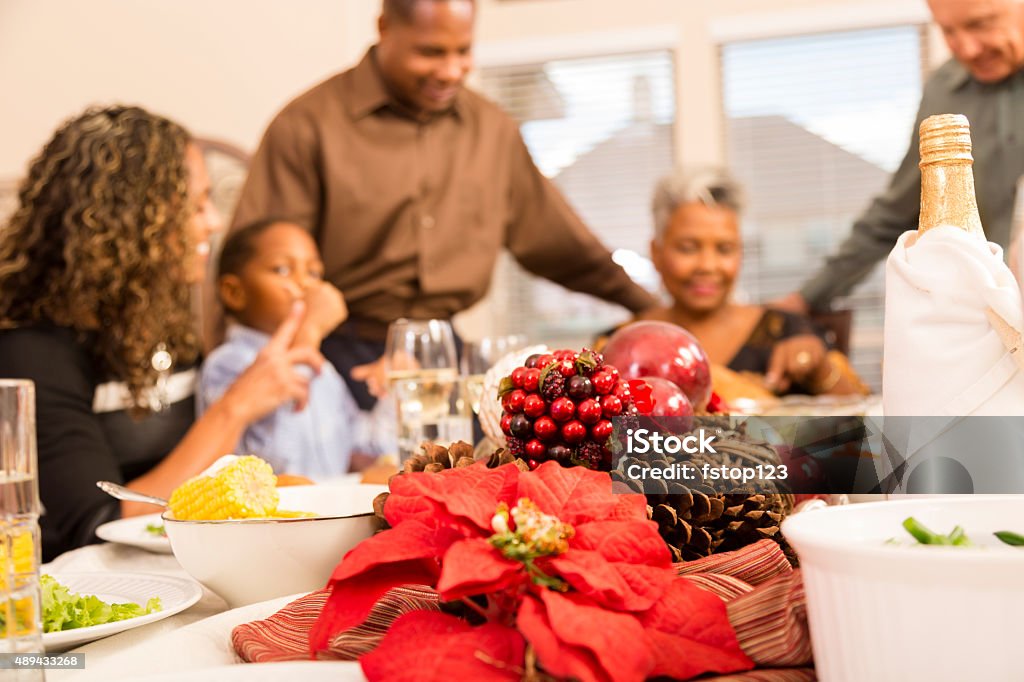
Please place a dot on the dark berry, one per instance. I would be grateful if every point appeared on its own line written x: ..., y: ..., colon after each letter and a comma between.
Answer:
x: 534, y: 405
x: 532, y: 361
x: 563, y: 409
x: 532, y: 464
x: 579, y: 387
x: 506, y: 424
x: 611, y: 405
x: 531, y: 379
x: 602, y: 430
x: 560, y: 454
x: 517, y: 376
x: 521, y: 426
x: 589, y: 411
x: 590, y: 455
x: 516, y: 446
x: 603, y: 381
x: 545, y: 428
x: 535, y: 449
x: 554, y: 386
x: 574, y: 432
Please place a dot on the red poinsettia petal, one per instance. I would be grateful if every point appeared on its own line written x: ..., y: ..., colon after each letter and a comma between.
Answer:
x: 616, y: 640
x: 618, y: 586
x: 401, y: 508
x: 475, y: 567
x: 575, y: 495
x: 351, y: 600
x: 471, y: 493
x: 404, y: 555
x: 410, y: 541
x: 556, y: 657
x: 423, y: 646
x: 629, y: 506
x: 634, y: 542
x: 690, y: 634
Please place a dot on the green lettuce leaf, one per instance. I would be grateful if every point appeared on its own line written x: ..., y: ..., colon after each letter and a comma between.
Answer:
x: 66, y: 610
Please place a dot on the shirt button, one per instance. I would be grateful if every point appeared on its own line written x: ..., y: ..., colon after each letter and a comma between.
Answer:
x: 427, y: 222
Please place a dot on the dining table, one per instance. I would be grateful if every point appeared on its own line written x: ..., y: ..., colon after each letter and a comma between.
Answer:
x: 193, y: 645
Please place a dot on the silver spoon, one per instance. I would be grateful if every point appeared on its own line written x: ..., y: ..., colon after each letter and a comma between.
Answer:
x: 127, y: 494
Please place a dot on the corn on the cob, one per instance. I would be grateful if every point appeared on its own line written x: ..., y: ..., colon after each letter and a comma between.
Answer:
x: 245, y: 488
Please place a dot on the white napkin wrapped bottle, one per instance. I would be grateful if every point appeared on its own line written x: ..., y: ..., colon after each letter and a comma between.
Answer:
x: 953, y: 310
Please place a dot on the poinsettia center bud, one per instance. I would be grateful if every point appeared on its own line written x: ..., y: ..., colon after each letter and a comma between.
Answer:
x: 531, y: 534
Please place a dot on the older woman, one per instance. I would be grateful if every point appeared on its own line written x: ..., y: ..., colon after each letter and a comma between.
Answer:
x: 697, y: 249
x: 95, y: 271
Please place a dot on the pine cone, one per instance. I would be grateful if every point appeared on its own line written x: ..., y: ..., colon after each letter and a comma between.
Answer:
x: 697, y: 518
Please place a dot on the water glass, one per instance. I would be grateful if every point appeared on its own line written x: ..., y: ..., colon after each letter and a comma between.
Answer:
x: 422, y: 377
x: 21, y: 630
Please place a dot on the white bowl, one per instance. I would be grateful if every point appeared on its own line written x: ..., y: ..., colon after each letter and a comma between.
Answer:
x: 252, y: 560
x: 883, y: 612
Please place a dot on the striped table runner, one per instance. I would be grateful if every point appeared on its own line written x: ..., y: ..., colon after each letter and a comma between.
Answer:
x: 764, y: 599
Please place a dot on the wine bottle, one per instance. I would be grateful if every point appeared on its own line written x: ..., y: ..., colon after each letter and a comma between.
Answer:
x: 947, y: 175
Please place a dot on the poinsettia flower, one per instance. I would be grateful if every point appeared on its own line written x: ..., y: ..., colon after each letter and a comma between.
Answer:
x: 422, y: 641
x: 551, y: 555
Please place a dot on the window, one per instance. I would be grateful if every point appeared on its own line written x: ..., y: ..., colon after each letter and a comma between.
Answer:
x: 601, y: 129
x: 815, y: 124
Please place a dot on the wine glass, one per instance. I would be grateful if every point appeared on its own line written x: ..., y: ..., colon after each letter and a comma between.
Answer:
x: 422, y: 375
x: 478, y: 357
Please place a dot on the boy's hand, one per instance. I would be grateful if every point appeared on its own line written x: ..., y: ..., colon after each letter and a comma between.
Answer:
x: 325, y: 310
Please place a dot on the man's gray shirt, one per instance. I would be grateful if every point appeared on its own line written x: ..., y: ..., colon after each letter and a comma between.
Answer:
x: 996, y: 114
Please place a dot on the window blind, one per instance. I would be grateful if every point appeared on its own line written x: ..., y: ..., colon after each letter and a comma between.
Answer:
x: 815, y: 124
x: 601, y: 129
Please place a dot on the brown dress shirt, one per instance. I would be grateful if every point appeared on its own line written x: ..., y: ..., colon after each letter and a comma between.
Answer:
x: 410, y: 214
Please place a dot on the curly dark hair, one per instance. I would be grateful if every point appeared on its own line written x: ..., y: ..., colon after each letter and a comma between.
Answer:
x: 99, y: 243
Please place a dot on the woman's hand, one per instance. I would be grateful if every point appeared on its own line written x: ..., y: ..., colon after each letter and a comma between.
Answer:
x: 795, y: 360
x: 277, y: 375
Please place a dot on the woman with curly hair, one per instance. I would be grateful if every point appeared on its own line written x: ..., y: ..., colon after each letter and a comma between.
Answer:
x: 96, y: 267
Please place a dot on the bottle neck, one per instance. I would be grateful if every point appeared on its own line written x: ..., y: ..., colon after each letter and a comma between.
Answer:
x: 947, y: 197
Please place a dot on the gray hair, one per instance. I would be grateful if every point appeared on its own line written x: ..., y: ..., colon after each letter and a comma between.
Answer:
x: 709, y: 186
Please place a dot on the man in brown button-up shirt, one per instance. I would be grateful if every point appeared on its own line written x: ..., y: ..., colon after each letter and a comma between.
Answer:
x: 412, y: 184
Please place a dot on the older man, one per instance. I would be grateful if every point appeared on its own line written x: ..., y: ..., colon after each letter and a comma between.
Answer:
x: 984, y: 81
x: 412, y: 185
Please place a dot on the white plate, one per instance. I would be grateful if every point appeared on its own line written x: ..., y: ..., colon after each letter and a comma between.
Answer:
x: 176, y: 595
x: 132, y: 531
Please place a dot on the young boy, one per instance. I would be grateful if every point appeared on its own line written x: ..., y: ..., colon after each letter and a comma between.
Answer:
x: 263, y: 269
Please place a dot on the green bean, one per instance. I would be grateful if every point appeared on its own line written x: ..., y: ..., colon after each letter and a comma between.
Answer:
x: 1010, y: 538
x: 922, y: 534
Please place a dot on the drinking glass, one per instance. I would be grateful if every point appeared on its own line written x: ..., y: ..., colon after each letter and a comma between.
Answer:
x: 422, y: 376
x: 21, y: 630
x: 478, y: 357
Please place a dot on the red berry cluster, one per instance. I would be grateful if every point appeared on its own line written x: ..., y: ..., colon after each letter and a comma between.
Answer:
x: 559, y: 406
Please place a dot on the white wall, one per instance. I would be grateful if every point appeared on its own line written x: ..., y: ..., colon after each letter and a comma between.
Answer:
x: 223, y: 67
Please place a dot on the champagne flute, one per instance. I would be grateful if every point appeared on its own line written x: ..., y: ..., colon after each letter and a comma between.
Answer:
x: 478, y: 357
x: 422, y: 374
